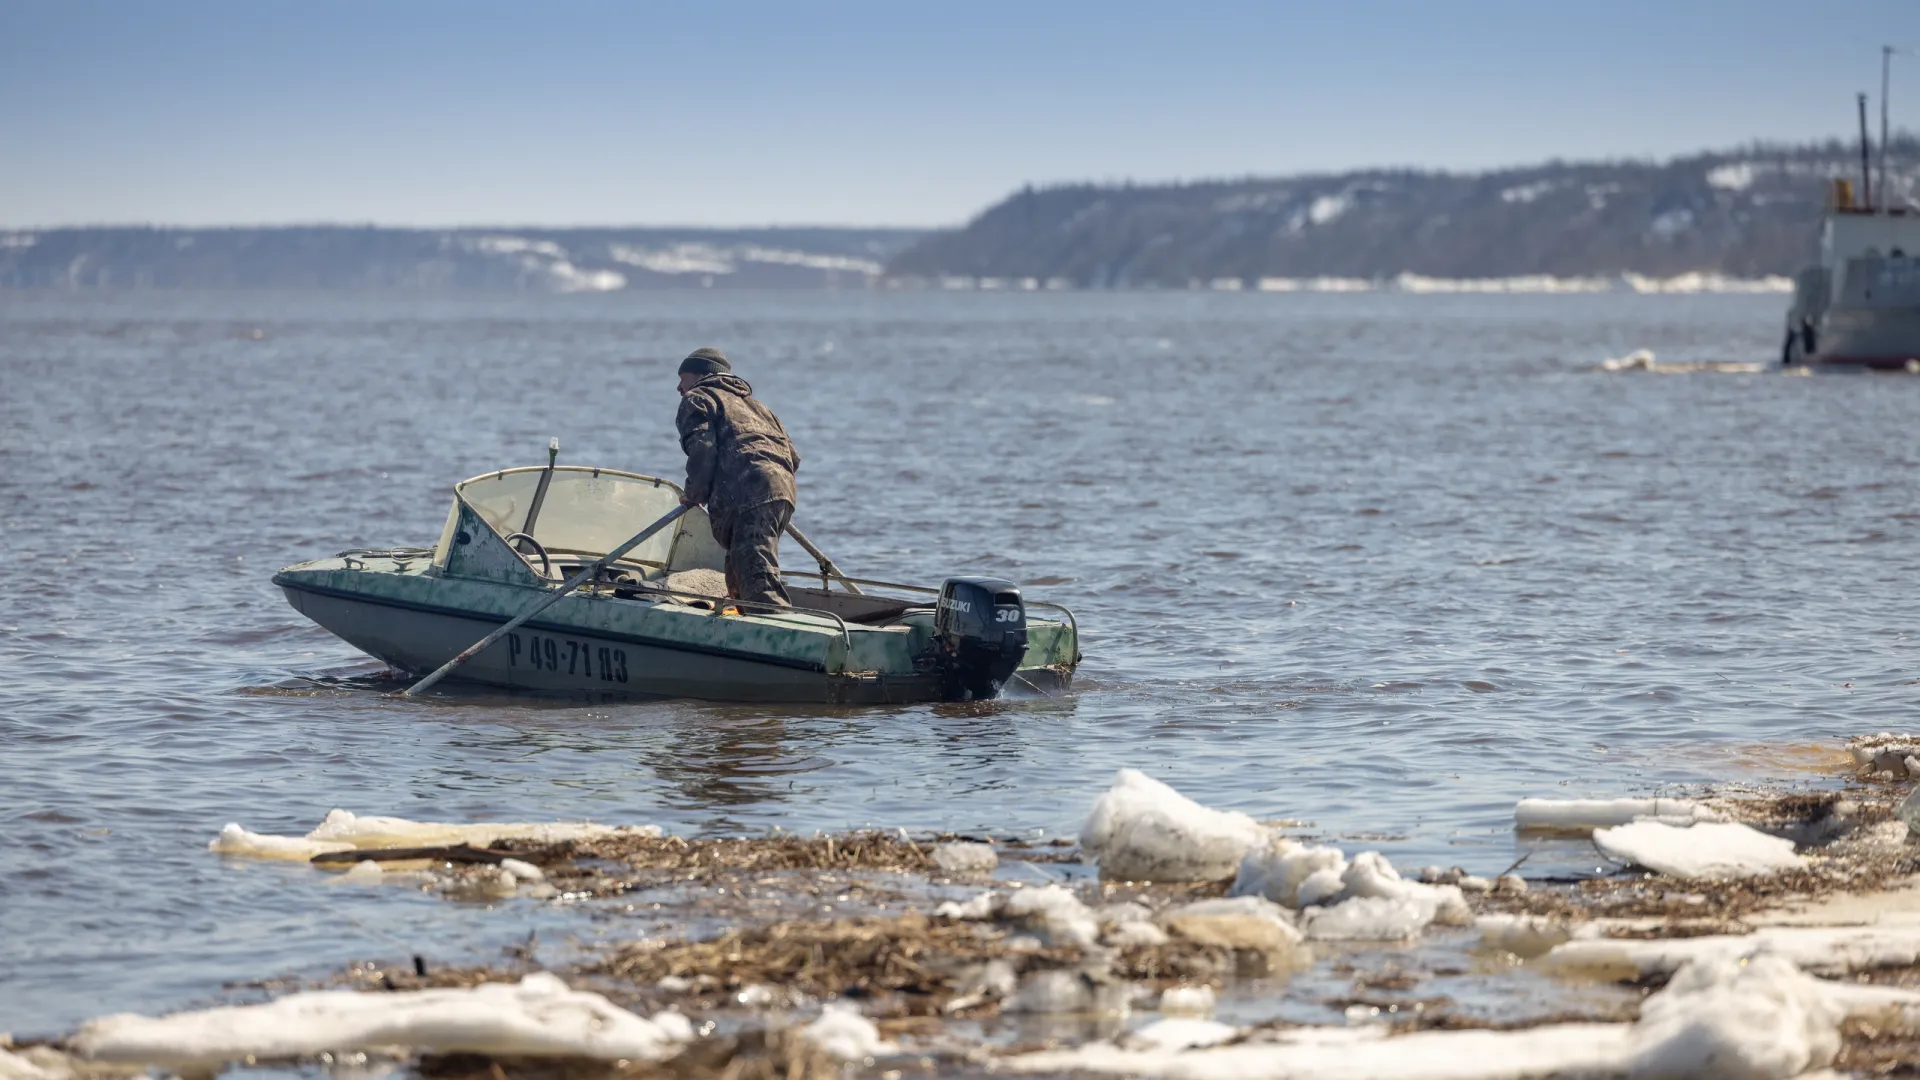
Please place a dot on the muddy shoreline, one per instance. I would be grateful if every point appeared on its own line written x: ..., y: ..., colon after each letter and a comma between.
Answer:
x: 806, y: 956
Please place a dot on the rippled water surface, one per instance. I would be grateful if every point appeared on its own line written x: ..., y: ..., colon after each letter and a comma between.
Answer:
x: 1384, y: 563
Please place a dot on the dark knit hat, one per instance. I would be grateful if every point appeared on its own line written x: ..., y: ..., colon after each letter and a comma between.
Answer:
x: 707, y: 361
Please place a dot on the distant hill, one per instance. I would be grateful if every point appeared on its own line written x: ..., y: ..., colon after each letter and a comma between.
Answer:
x: 1745, y: 213
x: 446, y: 260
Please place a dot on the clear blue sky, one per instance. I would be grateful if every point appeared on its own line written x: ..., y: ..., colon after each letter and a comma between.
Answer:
x: 433, y: 112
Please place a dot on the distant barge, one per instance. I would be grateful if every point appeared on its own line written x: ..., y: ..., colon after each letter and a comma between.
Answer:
x: 1858, y: 308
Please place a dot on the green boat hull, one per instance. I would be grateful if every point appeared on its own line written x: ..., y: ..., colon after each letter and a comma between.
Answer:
x: 628, y: 633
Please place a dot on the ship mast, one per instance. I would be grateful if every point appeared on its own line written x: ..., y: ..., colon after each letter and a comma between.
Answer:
x: 1887, y: 53
x: 1886, y: 65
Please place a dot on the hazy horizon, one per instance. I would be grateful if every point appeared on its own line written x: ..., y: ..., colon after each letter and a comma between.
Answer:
x: 861, y: 115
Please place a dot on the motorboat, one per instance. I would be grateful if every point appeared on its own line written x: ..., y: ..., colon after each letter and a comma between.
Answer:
x: 655, y: 621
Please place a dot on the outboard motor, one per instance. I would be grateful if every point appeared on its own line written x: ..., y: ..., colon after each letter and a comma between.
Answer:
x: 980, y: 632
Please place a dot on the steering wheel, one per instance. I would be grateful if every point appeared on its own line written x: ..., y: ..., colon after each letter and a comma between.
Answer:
x: 546, y: 564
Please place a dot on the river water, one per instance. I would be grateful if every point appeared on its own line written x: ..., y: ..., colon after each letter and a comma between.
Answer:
x: 1382, y: 563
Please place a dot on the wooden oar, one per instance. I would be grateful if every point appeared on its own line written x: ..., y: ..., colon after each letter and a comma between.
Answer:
x: 826, y: 564
x: 585, y: 575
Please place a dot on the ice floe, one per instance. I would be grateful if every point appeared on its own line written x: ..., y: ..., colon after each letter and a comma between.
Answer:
x: 234, y: 840
x: 1365, y: 899
x: 844, y: 1035
x: 1643, y: 360
x: 1142, y: 830
x: 1367, y: 918
x: 1187, y: 1001
x: 345, y: 831
x: 965, y: 858
x: 369, y: 831
x: 1824, y: 950
x: 979, y: 908
x: 1084, y: 992
x: 1056, y: 911
x: 36, y: 1063
x: 521, y: 871
x: 1706, y: 850
x: 1525, y: 936
x: 1760, y: 1020
x: 1586, y: 815
x: 1279, y: 870
x: 536, y: 1017
x: 1240, y: 922
x: 1179, y: 1033
x: 1372, y: 876
x: 1321, y: 887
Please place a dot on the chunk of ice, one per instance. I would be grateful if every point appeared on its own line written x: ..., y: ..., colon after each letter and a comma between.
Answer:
x: 1525, y: 936
x: 965, y: 858
x: 1277, y: 870
x: 1240, y: 922
x: 522, y: 870
x: 1727, y: 1021
x: 1055, y: 910
x: 1819, y: 949
x: 1367, y: 918
x: 979, y: 909
x: 844, y: 1035
x: 1698, y: 851
x: 1321, y: 887
x: 1058, y: 991
x: 1179, y: 1033
x: 536, y: 1017
x: 369, y: 831
x: 1135, y: 935
x: 1372, y: 876
x: 1120, y: 914
x: 1763, y: 1018
x: 1586, y: 815
x: 344, y: 831
x: 364, y: 870
x: 234, y: 840
x: 1187, y: 1001
x: 1143, y: 830
x: 36, y: 1063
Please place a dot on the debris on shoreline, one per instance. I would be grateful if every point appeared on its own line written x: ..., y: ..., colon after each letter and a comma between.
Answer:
x: 1762, y: 935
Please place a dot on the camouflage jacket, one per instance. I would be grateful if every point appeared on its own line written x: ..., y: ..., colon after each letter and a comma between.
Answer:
x: 738, y: 454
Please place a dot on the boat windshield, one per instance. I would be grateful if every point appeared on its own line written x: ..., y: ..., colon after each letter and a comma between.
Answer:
x: 586, y: 511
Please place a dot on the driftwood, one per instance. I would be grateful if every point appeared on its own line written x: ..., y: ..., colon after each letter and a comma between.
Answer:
x: 454, y: 853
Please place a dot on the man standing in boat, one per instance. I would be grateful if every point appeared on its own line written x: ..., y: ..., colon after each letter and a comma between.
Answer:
x: 740, y: 465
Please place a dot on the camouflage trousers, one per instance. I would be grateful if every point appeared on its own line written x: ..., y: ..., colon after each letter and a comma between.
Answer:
x: 752, y: 540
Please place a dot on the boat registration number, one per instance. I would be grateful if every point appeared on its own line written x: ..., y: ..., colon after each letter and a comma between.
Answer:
x: 545, y: 652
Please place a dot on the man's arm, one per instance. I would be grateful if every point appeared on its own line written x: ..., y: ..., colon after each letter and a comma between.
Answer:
x: 695, y: 422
